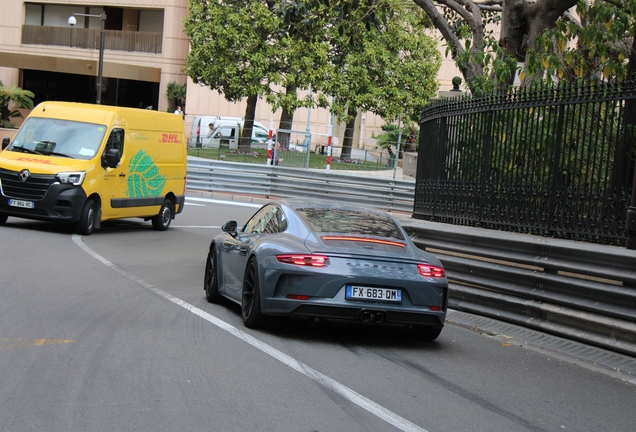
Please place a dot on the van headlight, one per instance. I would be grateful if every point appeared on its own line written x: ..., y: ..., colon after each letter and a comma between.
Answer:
x: 74, y: 178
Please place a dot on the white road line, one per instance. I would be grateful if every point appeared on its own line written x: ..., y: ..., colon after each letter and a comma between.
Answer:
x: 217, y: 201
x: 333, y: 385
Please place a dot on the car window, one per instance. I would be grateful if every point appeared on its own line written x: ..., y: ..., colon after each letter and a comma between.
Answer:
x: 349, y: 222
x: 270, y: 220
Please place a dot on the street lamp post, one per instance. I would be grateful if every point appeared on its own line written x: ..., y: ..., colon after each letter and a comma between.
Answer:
x: 100, y: 68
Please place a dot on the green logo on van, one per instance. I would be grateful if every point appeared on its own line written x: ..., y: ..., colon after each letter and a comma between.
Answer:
x: 144, y: 179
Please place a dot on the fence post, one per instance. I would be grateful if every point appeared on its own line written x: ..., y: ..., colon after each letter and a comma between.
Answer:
x: 556, y: 173
x: 485, y: 169
x: 441, y: 159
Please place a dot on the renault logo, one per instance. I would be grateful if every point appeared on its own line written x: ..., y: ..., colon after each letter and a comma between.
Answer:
x: 24, y: 176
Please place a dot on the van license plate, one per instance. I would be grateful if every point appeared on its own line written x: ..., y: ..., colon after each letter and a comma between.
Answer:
x: 353, y: 292
x: 20, y: 203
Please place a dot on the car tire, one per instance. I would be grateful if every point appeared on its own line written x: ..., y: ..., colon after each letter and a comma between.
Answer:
x: 162, y: 220
x: 3, y: 219
x: 87, y: 218
x: 211, y: 279
x: 426, y: 334
x: 251, y: 297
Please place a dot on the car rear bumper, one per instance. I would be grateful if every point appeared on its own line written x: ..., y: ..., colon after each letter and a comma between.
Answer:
x: 363, y: 314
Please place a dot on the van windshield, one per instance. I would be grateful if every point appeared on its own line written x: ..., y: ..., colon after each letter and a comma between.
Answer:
x: 59, y: 138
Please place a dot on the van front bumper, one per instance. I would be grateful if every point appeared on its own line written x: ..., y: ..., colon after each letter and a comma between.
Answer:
x: 60, y: 203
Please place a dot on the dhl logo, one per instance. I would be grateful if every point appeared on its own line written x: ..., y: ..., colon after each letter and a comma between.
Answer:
x: 170, y: 138
x: 35, y: 160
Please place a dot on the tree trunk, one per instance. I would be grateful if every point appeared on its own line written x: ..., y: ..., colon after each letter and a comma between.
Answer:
x: 347, y: 141
x: 286, y: 121
x: 245, y: 142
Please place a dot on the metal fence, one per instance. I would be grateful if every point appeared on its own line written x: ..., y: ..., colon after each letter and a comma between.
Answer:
x: 549, y: 161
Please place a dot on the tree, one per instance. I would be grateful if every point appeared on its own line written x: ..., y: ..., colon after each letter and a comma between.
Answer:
x: 22, y: 99
x: 597, y: 43
x: 232, y: 46
x: 388, y: 69
x: 177, y: 93
x: 485, y: 61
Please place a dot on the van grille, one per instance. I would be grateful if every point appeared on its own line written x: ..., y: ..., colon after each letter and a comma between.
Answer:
x: 33, y: 189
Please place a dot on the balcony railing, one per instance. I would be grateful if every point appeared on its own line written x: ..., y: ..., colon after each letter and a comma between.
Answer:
x: 115, y: 40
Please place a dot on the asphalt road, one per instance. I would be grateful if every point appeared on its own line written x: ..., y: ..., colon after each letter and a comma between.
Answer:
x: 111, y: 332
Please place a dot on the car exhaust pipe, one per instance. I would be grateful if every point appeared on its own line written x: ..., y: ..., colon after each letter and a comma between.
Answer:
x: 366, y: 317
x: 379, y: 318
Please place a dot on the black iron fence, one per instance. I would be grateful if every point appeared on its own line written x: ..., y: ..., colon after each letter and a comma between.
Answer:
x: 553, y: 161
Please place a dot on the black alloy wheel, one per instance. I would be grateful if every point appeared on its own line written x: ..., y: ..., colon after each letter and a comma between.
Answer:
x: 251, y: 297
x: 211, y: 279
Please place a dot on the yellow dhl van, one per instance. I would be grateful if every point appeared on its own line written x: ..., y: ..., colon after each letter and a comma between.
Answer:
x: 84, y: 164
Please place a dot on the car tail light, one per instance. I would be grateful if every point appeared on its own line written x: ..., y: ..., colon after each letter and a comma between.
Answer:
x: 430, y: 271
x: 436, y: 308
x: 364, y: 239
x: 297, y: 297
x: 303, y: 260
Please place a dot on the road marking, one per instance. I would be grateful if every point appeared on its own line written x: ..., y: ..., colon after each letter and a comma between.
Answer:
x: 333, y: 385
x: 217, y: 201
x: 6, y: 343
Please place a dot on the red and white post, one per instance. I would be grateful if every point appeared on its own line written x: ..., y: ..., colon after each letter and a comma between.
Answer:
x: 329, y: 140
x: 270, y: 141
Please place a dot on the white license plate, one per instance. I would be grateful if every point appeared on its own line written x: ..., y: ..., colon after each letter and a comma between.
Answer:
x: 20, y: 203
x: 353, y: 292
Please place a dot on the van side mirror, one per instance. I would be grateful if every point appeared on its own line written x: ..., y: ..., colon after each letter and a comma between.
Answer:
x: 5, y: 142
x: 111, y: 158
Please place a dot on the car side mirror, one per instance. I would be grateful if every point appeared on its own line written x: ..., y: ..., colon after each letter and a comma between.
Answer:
x: 111, y: 158
x: 5, y: 142
x: 230, y: 227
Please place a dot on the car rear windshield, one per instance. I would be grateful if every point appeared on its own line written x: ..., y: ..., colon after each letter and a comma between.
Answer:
x: 349, y: 222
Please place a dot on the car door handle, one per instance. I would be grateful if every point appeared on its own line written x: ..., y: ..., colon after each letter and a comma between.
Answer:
x: 122, y: 174
x: 243, y: 250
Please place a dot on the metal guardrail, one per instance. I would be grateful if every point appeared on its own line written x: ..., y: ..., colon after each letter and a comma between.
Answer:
x: 267, y: 181
x: 576, y: 290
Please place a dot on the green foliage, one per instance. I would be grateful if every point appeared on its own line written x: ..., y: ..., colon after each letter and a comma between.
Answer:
x: 407, y: 135
x: 369, y: 54
x: 232, y: 46
x: 390, y: 70
x: 595, y: 48
x: 177, y: 93
x: 22, y: 99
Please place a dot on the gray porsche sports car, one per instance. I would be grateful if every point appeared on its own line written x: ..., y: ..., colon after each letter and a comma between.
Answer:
x: 323, y: 261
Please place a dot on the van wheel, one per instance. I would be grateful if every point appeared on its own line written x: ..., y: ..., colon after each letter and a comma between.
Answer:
x: 87, y: 218
x: 3, y: 219
x: 161, y: 222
